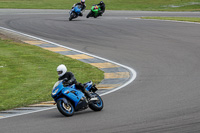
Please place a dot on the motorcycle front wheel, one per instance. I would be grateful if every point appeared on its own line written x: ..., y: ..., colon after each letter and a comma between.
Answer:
x: 71, y: 16
x: 89, y: 14
x: 65, y: 109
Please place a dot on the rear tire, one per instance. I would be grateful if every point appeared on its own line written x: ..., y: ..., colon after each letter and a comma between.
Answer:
x: 66, y: 110
x: 96, y: 105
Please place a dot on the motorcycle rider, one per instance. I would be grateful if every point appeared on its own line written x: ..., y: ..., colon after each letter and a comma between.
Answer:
x: 68, y: 77
x: 102, y: 6
x: 83, y: 6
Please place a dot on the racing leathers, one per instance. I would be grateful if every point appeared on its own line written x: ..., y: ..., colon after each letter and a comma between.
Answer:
x: 83, y: 6
x: 69, y: 78
x: 103, y: 7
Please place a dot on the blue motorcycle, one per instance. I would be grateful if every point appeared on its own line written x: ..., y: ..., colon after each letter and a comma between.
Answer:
x: 69, y: 99
x: 74, y: 13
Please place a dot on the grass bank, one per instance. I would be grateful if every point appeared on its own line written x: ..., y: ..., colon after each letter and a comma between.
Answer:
x: 188, y: 19
x: 151, y: 5
x: 28, y: 73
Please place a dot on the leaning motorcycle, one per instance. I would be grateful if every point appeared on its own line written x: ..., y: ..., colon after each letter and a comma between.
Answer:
x: 69, y: 99
x: 94, y: 12
x: 74, y: 13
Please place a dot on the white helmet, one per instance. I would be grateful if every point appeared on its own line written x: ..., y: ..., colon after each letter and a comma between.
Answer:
x: 61, y: 69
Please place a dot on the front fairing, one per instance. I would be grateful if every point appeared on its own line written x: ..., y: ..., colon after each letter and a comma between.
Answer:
x: 70, y: 92
x: 96, y: 11
x: 58, y: 86
x: 77, y: 9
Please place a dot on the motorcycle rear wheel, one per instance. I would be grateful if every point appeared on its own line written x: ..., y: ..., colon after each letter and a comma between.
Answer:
x: 66, y: 110
x: 96, y: 105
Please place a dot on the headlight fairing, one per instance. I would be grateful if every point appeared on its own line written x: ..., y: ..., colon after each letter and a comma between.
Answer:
x: 55, y: 91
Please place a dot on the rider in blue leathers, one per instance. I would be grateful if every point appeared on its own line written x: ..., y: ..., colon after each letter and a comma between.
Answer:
x: 83, y: 6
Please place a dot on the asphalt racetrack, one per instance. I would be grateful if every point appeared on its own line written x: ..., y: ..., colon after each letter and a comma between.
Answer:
x: 164, y: 97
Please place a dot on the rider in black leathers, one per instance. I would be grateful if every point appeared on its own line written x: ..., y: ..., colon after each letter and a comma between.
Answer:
x: 102, y: 6
x: 69, y: 78
x: 83, y: 6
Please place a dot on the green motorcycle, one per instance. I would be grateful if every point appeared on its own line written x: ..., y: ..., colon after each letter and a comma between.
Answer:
x: 94, y: 11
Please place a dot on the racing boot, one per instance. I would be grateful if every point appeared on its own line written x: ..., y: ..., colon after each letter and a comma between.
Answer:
x: 90, y: 98
x: 87, y: 94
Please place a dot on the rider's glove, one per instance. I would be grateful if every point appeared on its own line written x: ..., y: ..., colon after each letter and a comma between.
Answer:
x: 65, y: 80
x: 70, y: 82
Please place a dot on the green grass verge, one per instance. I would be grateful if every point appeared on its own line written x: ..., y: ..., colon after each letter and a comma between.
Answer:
x: 28, y: 73
x: 189, y: 19
x: 152, y: 5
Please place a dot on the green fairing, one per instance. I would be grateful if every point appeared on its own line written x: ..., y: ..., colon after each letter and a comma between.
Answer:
x: 96, y: 11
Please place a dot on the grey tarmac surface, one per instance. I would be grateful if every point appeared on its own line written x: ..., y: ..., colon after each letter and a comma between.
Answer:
x: 164, y: 98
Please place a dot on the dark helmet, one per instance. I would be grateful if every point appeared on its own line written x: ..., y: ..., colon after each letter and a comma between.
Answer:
x: 101, y: 3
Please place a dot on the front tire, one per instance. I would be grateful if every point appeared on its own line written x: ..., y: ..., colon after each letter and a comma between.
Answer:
x: 96, y: 105
x: 71, y: 16
x: 66, y: 110
x: 89, y: 14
